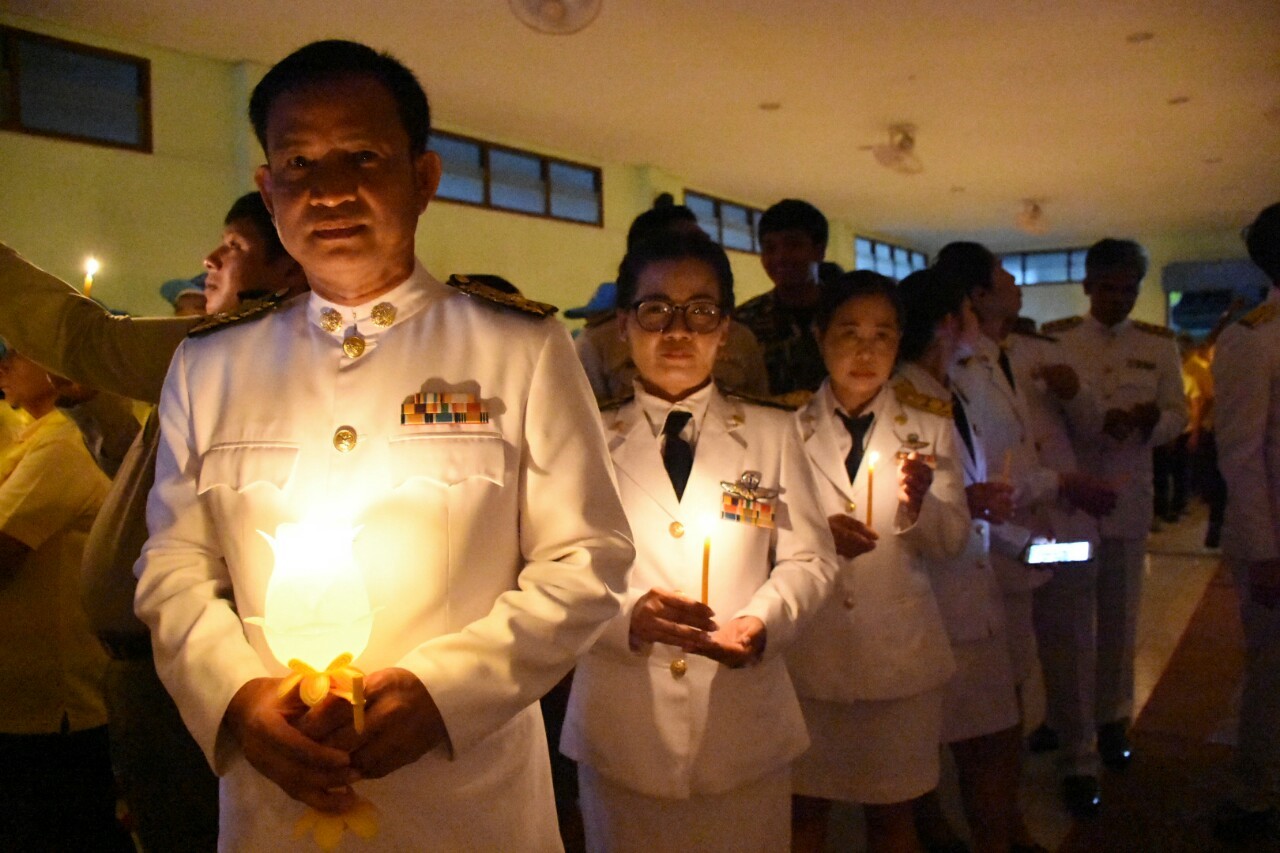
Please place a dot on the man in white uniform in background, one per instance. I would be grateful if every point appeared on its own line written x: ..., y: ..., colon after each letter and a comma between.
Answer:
x: 1136, y: 375
x: 490, y: 541
x: 1246, y: 373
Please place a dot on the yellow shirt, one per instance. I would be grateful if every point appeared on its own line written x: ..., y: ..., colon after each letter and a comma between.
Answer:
x: 50, y: 663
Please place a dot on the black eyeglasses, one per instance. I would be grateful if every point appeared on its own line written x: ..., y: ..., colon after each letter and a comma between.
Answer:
x: 657, y: 315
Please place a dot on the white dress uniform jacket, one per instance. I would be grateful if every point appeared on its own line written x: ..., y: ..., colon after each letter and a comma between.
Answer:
x: 880, y: 635
x: 1001, y: 416
x: 1246, y: 374
x: 965, y: 585
x: 713, y: 729
x: 493, y: 553
x: 1051, y: 423
x: 1125, y: 364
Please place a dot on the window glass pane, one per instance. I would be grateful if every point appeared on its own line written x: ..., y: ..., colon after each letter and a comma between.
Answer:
x: 901, y: 263
x: 1046, y: 267
x: 61, y: 91
x: 463, y: 176
x: 1077, y: 264
x: 737, y: 227
x: 705, y: 209
x: 1013, y: 264
x: 863, y: 257
x: 918, y: 261
x: 573, y: 193
x: 515, y: 181
x: 883, y: 251
x: 755, y: 230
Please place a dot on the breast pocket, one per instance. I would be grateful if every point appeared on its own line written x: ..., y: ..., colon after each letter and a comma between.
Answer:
x: 448, y: 460
x: 241, y: 466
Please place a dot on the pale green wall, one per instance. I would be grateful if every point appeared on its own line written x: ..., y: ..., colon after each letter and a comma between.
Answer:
x: 152, y: 217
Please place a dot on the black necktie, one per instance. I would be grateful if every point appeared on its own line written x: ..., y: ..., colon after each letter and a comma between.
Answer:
x: 1004, y: 366
x: 962, y: 423
x: 677, y: 454
x: 857, y: 428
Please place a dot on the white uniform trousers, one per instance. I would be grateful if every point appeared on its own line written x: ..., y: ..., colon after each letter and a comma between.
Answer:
x: 1065, y: 620
x: 1120, y: 564
x: 755, y: 818
x: 1257, y: 763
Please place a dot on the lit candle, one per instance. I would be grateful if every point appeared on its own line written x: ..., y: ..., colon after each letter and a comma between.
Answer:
x: 90, y: 270
x: 872, y: 458
x: 706, y: 565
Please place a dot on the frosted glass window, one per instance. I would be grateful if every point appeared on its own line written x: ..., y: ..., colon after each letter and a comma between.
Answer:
x: 733, y: 226
x: 575, y: 193
x: 463, y: 175
x: 735, y: 223
x: 515, y: 182
x: 74, y: 91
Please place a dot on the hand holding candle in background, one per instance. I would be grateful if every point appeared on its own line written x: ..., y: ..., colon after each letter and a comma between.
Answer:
x: 915, y: 476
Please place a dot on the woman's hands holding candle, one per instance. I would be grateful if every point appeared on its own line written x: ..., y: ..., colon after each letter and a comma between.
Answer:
x: 738, y: 643
x: 664, y: 616
x: 990, y: 501
x: 915, y: 476
x: 853, y: 538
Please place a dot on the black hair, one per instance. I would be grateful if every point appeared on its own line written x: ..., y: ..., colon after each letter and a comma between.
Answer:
x: 657, y: 219
x: 1110, y: 254
x: 853, y: 285
x: 972, y: 264
x: 1262, y: 239
x: 335, y: 59
x: 251, y: 207
x: 792, y: 213
x: 673, y: 246
x: 929, y: 297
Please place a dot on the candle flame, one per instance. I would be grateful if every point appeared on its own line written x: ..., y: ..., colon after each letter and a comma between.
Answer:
x: 872, y: 458
x: 91, y: 266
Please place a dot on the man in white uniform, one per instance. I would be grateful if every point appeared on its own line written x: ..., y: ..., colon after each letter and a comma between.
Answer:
x: 457, y: 436
x: 1246, y: 373
x: 1136, y: 375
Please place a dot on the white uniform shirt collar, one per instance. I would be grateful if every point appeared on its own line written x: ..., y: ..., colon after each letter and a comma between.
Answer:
x: 831, y: 409
x: 656, y: 410
x: 371, y: 318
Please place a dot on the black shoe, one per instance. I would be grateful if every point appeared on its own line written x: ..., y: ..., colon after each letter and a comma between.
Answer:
x: 1113, y: 744
x: 1043, y: 739
x: 1081, y: 795
x: 1235, y: 825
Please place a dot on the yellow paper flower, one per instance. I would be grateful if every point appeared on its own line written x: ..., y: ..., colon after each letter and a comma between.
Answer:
x: 327, y: 829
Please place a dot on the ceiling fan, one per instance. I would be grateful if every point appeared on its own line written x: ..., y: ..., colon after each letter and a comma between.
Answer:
x: 556, y: 17
x: 899, y: 154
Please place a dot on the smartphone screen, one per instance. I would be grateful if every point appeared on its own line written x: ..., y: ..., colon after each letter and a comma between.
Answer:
x: 1059, y: 552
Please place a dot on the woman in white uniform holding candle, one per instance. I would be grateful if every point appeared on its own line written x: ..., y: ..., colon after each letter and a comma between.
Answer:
x: 871, y: 668
x: 682, y: 717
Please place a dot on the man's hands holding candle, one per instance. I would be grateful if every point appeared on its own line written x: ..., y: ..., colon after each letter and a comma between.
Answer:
x: 315, y: 754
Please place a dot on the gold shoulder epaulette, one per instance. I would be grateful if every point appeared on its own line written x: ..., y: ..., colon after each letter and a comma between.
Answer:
x: 494, y: 296
x: 1260, y: 316
x: 788, y: 402
x: 616, y: 403
x: 909, y: 396
x: 247, y: 311
x: 1153, y: 329
x: 1053, y: 327
x: 1039, y: 336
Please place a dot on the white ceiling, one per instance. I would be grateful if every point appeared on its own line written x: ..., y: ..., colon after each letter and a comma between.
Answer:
x: 1012, y: 98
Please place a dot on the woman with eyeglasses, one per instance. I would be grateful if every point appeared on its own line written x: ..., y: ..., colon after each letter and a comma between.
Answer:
x: 871, y: 668
x: 682, y: 717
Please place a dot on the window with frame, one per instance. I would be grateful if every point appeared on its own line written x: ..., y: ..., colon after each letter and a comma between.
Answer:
x: 733, y: 226
x: 886, y: 258
x: 502, y: 178
x: 58, y: 88
x: 1051, y: 266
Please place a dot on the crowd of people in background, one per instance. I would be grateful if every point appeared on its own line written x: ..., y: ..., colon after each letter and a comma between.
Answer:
x: 838, y: 493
